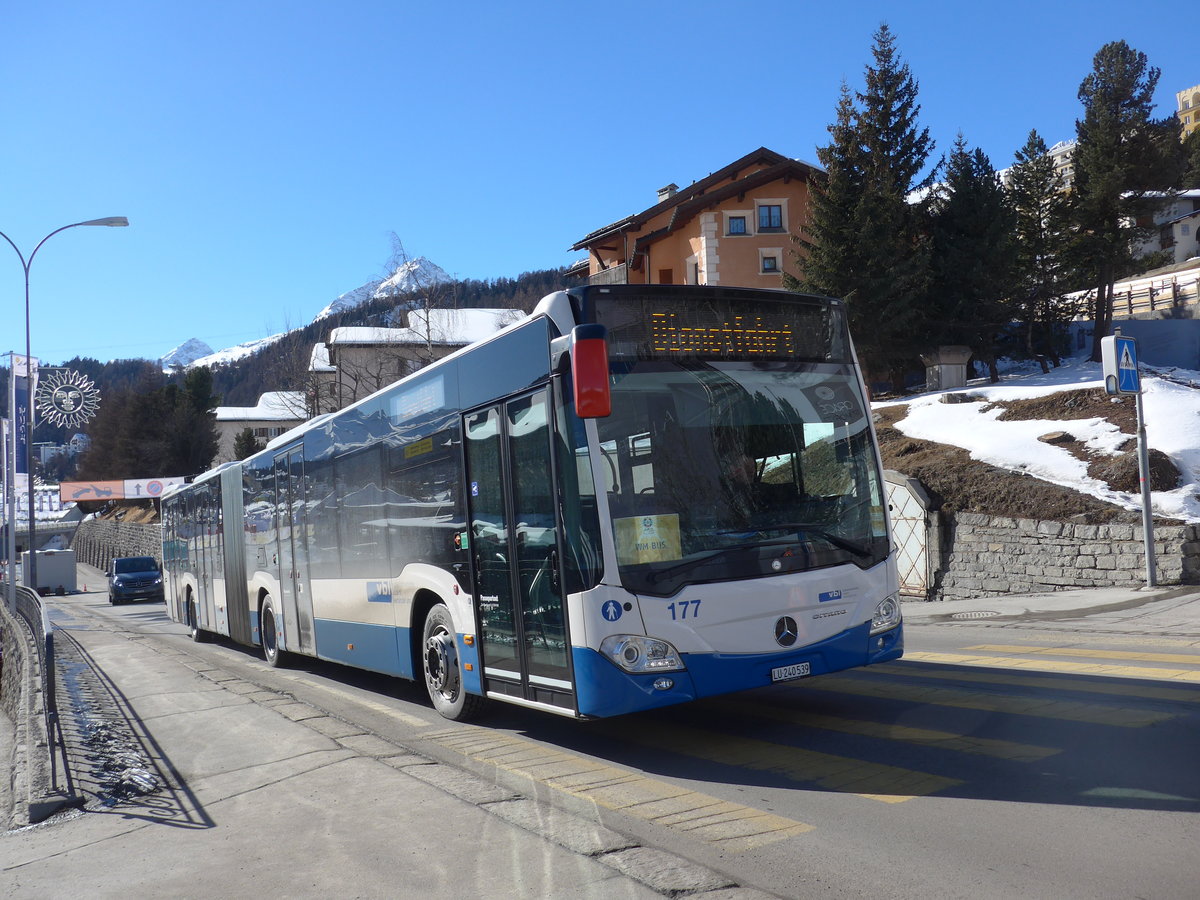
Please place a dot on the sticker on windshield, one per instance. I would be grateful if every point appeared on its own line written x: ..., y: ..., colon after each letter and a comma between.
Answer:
x: 643, y: 539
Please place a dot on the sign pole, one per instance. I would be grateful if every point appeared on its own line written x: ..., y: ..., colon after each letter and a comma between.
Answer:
x: 1119, y: 357
x: 11, y: 475
x: 1144, y: 481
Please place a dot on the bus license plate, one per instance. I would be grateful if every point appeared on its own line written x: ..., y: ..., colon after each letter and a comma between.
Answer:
x: 787, y: 673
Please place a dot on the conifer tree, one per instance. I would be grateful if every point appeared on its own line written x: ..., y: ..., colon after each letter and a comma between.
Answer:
x: 971, y: 256
x: 864, y: 241
x: 246, y: 444
x: 1042, y: 242
x: 1124, y: 160
x: 191, y: 433
x: 830, y: 252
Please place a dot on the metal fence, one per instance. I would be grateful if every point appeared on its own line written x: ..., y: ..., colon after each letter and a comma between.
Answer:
x: 29, y: 606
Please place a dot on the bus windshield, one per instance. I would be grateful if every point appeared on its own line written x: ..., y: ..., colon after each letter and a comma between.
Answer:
x: 726, y: 470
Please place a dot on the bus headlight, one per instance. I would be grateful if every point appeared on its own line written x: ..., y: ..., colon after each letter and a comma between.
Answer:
x: 636, y: 653
x: 887, y: 614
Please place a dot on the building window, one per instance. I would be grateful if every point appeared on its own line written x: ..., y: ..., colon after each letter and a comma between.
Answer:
x: 770, y: 264
x: 737, y: 225
x: 1185, y: 229
x: 770, y: 217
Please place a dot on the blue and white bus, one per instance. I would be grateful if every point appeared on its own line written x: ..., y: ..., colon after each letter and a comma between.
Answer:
x: 636, y: 496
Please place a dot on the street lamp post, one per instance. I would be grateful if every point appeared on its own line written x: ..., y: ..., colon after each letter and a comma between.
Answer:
x: 111, y: 221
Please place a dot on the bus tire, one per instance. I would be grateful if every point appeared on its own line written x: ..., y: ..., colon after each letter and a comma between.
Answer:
x: 195, y: 632
x: 443, y: 671
x: 268, y: 629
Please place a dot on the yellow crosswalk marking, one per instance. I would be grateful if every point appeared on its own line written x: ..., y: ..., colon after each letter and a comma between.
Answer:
x: 1145, y: 690
x: 1042, y: 707
x: 876, y: 781
x: 1185, y: 658
x: 1189, y: 676
x: 888, y: 731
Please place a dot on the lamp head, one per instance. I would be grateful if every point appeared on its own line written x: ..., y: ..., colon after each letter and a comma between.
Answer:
x: 111, y: 221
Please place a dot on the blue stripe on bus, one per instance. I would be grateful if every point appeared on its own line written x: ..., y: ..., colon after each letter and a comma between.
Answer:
x: 606, y: 690
x: 376, y: 647
x: 468, y: 656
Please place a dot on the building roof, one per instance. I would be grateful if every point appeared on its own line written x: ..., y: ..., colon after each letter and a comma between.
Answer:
x: 318, y: 361
x: 273, y: 406
x: 454, y: 327
x: 687, y: 202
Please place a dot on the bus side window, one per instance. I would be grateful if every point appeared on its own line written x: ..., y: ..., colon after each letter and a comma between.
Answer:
x: 577, y: 490
x: 424, y: 509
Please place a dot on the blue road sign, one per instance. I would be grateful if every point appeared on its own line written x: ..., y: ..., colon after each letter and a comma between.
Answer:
x: 1127, y: 366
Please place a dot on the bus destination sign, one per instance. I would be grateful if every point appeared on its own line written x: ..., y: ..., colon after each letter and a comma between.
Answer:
x: 721, y: 327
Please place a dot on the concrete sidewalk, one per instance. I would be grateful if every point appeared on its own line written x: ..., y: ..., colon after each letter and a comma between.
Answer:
x: 260, y: 795
x: 1173, y: 610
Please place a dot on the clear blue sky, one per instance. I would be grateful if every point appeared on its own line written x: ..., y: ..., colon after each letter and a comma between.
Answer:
x: 264, y: 151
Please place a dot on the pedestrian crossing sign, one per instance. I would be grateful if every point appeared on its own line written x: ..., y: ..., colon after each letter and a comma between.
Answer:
x: 1119, y: 356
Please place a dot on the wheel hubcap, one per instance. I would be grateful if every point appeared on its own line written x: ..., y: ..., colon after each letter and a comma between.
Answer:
x: 440, y: 663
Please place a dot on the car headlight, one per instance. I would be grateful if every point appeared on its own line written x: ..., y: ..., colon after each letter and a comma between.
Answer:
x: 887, y: 614
x: 637, y: 653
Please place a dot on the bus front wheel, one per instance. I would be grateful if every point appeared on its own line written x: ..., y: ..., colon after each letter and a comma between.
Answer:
x: 443, y: 672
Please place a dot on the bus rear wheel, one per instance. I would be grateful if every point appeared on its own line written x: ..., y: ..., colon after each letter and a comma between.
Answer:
x: 268, y: 627
x: 443, y: 672
x: 195, y: 632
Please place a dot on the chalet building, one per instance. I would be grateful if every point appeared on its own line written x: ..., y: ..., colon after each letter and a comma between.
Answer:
x: 732, y: 228
x: 357, y: 361
x: 275, y: 413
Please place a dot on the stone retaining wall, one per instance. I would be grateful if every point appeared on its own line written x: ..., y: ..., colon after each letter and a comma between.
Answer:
x: 986, y: 555
x: 97, y: 541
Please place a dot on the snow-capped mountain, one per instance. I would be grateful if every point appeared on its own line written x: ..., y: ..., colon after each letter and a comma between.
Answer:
x: 222, y: 357
x: 413, y: 275
x: 185, y: 354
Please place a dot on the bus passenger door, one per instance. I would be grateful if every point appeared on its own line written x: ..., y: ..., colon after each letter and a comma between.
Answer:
x: 515, y: 549
x: 291, y: 535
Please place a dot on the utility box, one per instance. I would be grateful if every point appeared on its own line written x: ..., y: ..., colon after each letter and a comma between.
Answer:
x: 55, y: 571
x: 946, y: 367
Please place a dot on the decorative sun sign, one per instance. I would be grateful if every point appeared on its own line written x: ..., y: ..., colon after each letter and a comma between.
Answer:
x: 66, y: 398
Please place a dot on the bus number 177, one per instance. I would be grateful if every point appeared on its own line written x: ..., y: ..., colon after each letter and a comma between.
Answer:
x: 679, y: 610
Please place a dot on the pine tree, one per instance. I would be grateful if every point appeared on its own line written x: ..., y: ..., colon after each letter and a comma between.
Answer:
x: 829, y: 244
x: 1124, y: 161
x: 971, y: 256
x: 864, y: 242
x: 1042, y: 242
x: 191, y: 434
x: 246, y: 444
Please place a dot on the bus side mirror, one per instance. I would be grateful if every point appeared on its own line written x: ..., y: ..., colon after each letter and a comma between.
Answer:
x: 589, y: 371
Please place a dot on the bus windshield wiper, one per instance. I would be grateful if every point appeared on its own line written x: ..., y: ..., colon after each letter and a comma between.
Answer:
x: 658, y: 575
x: 855, y: 547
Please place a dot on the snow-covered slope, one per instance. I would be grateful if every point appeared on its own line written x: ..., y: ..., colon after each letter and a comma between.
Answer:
x: 1171, y: 400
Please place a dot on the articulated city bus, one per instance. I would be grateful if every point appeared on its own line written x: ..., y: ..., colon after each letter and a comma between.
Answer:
x: 638, y: 495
